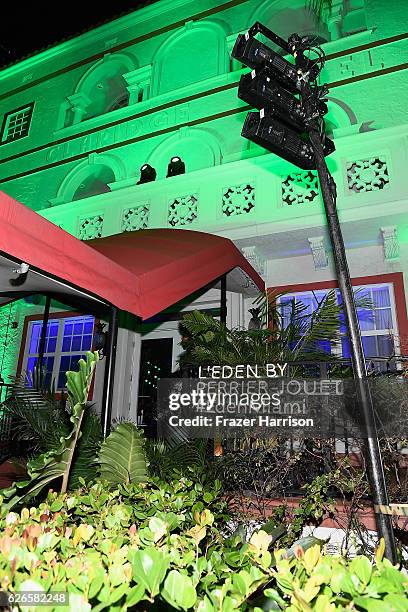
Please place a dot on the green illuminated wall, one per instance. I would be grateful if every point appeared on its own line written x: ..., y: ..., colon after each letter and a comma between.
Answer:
x: 160, y: 82
x: 11, y: 328
x: 8, y: 342
x: 162, y: 78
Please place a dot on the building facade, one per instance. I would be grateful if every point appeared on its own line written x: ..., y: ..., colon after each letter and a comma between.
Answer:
x: 80, y: 119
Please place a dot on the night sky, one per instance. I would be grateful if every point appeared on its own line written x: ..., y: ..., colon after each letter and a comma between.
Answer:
x: 28, y: 27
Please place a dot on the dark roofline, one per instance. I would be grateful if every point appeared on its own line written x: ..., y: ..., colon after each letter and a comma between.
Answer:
x: 59, y: 41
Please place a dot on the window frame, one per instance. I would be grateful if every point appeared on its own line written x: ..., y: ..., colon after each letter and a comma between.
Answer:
x: 337, y: 350
x: 6, y: 119
x: 58, y: 354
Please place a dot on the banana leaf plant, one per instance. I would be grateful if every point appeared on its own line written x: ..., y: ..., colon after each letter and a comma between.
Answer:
x: 40, y: 418
x: 122, y: 458
x: 56, y: 464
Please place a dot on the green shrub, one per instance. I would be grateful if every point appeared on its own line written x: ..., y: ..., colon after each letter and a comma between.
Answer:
x: 165, y: 546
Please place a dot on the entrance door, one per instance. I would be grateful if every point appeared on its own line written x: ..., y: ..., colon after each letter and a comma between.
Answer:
x: 155, y: 363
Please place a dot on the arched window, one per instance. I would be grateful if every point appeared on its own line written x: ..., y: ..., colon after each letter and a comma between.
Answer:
x: 108, y: 94
x: 121, y: 102
x: 197, y: 148
x: 95, y: 183
x: 101, y: 89
x: 90, y: 177
x: 196, y: 53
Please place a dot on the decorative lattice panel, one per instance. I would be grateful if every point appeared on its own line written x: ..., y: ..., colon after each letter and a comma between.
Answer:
x: 182, y: 210
x: 238, y: 200
x: 135, y: 218
x: 90, y: 227
x: 299, y: 188
x: 367, y: 174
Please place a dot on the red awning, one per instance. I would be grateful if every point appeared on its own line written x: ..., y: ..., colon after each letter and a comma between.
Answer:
x: 140, y: 272
x: 59, y: 263
x: 170, y: 264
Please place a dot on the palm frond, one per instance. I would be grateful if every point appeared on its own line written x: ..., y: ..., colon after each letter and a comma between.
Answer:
x: 292, y: 335
x: 43, y: 427
x: 197, y: 322
x: 169, y: 456
x: 39, y: 416
x: 267, y: 303
x: 324, y: 323
x: 41, y: 419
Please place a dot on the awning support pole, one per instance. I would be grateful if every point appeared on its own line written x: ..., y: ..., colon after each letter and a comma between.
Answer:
x: 223, y: 309
x: 107, y: 397
x: 41, y: 347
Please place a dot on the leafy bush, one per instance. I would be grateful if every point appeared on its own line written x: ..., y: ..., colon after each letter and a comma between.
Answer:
x: 211, y: 342
x: 74, y: 452
x: 58, y: 461
x: 194, y: 459
x: 165, y: 546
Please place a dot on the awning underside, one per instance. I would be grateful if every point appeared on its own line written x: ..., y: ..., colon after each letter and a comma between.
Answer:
x: 140, y: 272
x: 38, y: 283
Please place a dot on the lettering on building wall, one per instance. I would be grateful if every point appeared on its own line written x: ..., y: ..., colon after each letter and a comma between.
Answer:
x: 118, y: 133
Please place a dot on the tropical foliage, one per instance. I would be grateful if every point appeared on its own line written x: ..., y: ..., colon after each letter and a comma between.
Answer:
x: 40, y: 418
x: 166, y: 547
x: 122, y: 457
x: 56, y: 464
x: 167, y: 458
x: 298, y: 338
x: 76, y: 454
x: 39, y: 415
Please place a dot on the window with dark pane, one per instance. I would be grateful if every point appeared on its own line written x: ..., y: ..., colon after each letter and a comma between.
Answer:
x: 376, y: 315
x: 302, y: 305
x: 67, y: 340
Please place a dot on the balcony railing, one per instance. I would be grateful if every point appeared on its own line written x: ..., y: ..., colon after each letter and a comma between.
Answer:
x: 261, y: 191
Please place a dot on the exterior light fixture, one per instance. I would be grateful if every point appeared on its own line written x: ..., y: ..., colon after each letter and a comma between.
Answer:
x: 22, y: 272
x: 254, y: 54
x: 263, y: 91
x: 278, y: 138
x: 176, y: 166
x: 274, y: 86
x: 99, y: 337
x: 147, y: 174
